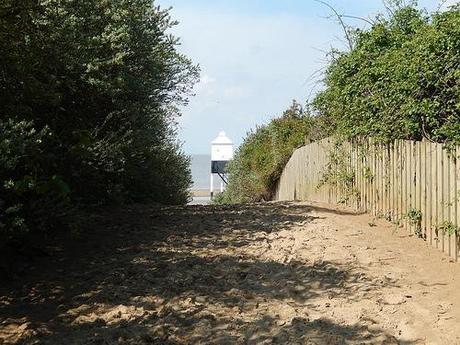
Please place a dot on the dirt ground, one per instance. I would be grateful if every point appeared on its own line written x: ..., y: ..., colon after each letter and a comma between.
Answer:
x: 258, y: 274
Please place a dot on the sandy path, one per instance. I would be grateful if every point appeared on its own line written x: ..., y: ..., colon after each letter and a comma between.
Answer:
x: 260, y: 274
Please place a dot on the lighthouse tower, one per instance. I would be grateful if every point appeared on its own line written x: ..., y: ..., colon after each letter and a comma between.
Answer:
x: 221, y: 154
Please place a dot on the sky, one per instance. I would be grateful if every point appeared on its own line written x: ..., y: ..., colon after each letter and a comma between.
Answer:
x: 255, y: 57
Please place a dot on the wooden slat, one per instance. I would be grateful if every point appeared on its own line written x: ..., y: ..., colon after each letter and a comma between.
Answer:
x: 445, y: 198
x: 457, y: 201
x: 403, y: 170
x: 423, y: 188
x: 405, y: 175
x: 429, y: 191
x: 418, y: 188
x: 392, y: 182
x: 362, y: 179
x: 408, y: 176
x: 378, y: 178
x: 452, y: 203
x: 399, y: 210
x: 440, y: 201
x: 411, y: 165
x: 436, y: 191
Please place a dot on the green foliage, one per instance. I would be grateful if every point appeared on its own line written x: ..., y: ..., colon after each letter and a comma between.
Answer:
x: 414, y: 217
x: 29, y: 193
x: 339, y: 173
x: 88, y: 100
x: 400, y: 81
x: 260, y: 160
x: 368, y: 175
x: 448, y: 228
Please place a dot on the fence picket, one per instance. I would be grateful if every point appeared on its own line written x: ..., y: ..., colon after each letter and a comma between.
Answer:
x: 389, y: 179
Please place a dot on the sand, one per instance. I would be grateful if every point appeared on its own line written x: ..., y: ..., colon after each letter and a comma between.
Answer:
x: 258, y: 274
x: 201, y: 193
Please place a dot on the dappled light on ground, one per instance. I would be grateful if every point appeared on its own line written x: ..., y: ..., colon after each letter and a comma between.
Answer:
x: 259, y: 274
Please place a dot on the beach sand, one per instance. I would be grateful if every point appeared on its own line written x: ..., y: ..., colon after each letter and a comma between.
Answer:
x: 274, y: 273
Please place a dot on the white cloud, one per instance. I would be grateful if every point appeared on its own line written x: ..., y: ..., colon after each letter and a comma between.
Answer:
x: 206, y: 79
x: 205, y: 83
x: 237, y: 92
x: 252, y: 67
x: 253, y: 63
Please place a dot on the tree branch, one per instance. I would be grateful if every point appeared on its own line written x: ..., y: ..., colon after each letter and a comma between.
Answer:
x: 342, y: 23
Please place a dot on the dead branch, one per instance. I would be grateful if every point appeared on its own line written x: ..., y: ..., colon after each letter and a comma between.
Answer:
x: 359, y: 18
x: 342, y: 23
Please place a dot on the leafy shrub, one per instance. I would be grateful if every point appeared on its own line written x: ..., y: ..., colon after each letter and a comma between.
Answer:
x: 88, y: 100
x: 30, y: 197
x: 260, y: 160
x: 400, y: 81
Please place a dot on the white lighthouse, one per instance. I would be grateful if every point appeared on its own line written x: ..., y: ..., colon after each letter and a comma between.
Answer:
x: 221, y: 154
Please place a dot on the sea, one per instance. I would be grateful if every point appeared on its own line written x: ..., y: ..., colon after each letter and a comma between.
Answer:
x: 201, y: 169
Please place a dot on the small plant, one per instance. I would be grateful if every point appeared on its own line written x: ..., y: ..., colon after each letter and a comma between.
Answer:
x: 387, y: 216
x: 368, y: 175
x: 340, y: 173
x: 259, y: 161
x: 448, y: 228
x: 414, y: 217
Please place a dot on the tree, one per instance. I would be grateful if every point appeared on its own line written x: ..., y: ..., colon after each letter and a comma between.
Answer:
x: 400, y: 81
x: 260, y: 160
x: 103, y: 80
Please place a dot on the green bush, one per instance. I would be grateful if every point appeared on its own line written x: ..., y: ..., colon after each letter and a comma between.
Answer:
x: 89, y: 92
x: 260, y: 160
x: 401, y: 80
x: 27, y: 188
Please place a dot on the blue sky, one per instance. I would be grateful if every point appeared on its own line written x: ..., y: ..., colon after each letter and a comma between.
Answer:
x: 256, y: 56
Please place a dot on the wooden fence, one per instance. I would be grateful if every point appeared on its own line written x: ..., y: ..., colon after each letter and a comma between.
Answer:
x: 413, y: 184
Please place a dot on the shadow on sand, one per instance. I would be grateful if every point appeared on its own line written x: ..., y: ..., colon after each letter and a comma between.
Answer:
x: 175, y: 275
